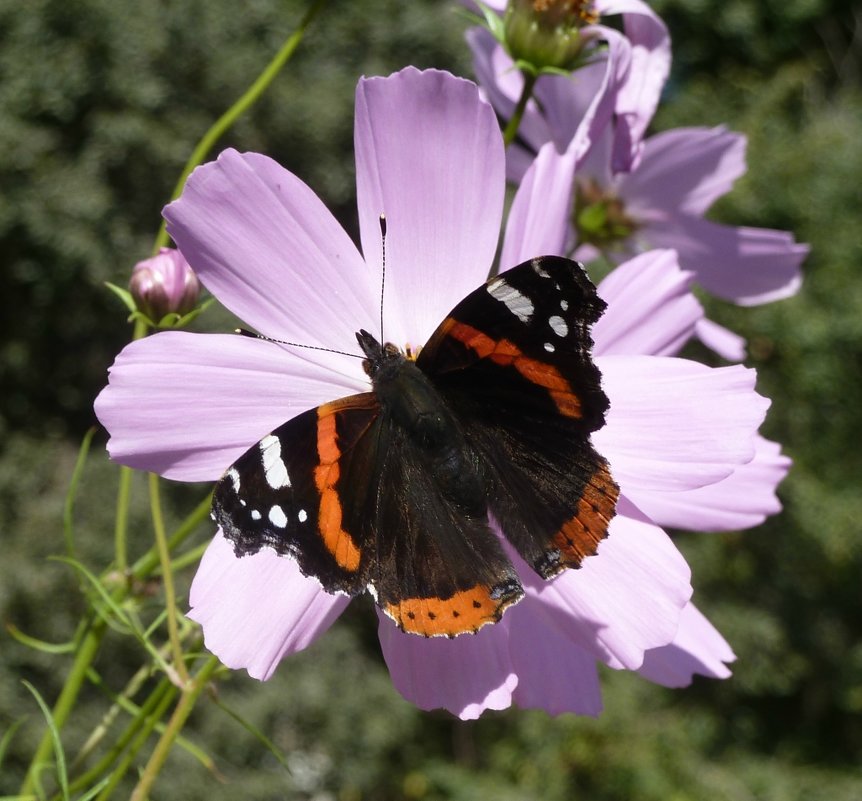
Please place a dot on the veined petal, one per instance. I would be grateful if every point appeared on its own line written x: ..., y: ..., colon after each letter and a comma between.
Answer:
x: 651, y: 309
x: 429, y: 155
x: 257, y: 609
x: 748, y: 266
x: 553, y: 673
x: 265, y: 245
x: 742, y: 500
x: 626, y: 599
x: 465, y: 675
x: 722, y: 340
x: 686, y: 169
x: 188, y: 405
x: 675, y: 424
x: 698, y: 648
x: 539, y: 220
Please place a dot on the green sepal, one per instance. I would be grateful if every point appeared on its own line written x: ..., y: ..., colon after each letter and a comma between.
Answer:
x: 173, y: 320
x: 124, y: 295
x: 494, y: 22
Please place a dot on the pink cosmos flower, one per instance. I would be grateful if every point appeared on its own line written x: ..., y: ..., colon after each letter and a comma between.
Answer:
x: 429, y: 154
x: 621, y: 86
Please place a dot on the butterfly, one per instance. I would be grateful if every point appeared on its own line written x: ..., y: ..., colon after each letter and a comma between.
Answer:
x: 390, y: 491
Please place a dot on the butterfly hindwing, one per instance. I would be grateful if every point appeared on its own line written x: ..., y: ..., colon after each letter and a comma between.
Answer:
x: 513, y: 362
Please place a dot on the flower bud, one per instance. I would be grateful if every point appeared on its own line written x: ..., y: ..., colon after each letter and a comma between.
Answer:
x: 548, y: 33
x: 163, y: 284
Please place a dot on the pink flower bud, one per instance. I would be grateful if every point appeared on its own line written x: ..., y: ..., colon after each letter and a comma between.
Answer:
x: 163, y: 284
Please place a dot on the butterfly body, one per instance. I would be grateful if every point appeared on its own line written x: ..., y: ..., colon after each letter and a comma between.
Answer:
x: 391, y: 490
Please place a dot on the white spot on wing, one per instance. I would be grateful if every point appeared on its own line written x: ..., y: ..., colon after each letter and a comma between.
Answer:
x: 255, y: 515
x: 233, y: 475
x: 277, y: 516
x: 372, y: 591
x: 549, y: 347
x: 273, y: 465
x: 516, y: 302
x: 559, y: 326
x: 538, y: 269
x: 303, y: 515
x: 564, y: 305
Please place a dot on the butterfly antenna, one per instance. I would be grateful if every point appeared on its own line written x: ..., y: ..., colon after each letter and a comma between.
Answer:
x: 383, y: 276
x: 246, y: 333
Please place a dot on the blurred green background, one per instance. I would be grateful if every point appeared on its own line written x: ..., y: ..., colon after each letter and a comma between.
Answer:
x: 101, y: 103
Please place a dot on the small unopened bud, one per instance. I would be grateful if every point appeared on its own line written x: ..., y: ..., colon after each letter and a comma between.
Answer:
x: 548, y: 33
x: 163, y: 284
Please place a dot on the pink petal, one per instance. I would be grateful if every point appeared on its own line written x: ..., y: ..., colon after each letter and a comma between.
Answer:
x: 429, y: 155
x: 257, y: 609
x: 697, y: 649
x: 685, y: 169
x: 723, y: 341
x: 187, y: 405
x: 539, y: 220
x: 553, y: 673
x: 675, y: 424
x: 265, y: 245
x: 742, y: 500
x: 745, y: 265
x: 626, y: 599
x: 651, y: 309
x: 465, y: 675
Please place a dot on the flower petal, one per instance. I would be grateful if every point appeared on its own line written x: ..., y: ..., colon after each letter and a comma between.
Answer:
x: 465, y: 675
x: 255, y: 610
x: 265, y: 245
x: 697, y: 648
x: 742, y: 500
x: 722, y: 340
x: 429, y: 155
x: 686, y: 169
x: 745, y: 265
x: 553, y: 673
x: 626, y: 599
x: 539, y: 220
x: 187, y: 405
x: 651, y: 309
x: 675, y: 424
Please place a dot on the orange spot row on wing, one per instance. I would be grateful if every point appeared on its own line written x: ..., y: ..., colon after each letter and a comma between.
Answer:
x: 508, y: 354
x: 465, y: 611
x: 338, y: 542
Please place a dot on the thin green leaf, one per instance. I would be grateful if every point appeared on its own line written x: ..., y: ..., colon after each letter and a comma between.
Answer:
x: 59, y: 756
x: 494, y: 22
x: 124, y: 295
x: 72, y: 492
x: 94, y: 791
x: 6, y: 739
x: 254, y: 731
x: 40, y: 645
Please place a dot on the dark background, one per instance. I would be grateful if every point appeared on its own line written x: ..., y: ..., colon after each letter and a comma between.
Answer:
x: 100, y: 105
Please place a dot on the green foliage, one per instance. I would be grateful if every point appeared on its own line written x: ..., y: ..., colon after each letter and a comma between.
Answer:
x: 102, y: 105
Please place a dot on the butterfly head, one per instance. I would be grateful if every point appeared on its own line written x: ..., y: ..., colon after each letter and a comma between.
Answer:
x: 377, y: 356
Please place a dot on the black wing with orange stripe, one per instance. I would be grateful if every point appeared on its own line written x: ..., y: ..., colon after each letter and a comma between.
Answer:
x: 513, y: 362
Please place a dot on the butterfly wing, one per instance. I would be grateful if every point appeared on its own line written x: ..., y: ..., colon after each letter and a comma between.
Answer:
x: 513, y: 362
x: 344, y: 491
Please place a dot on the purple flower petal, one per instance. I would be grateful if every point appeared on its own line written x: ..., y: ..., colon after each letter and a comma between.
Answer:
x: 187, y: 405
x: 623, y: 601
x: 429, y: 155
x: 697, y: 649
x: 686, y: 169
x: 742, y: 500
x: 745, y: 265
x: 257, y: 609
x: 539, y: 220
x: 265, y: 245
x: 723, y: 341
x: 465, y: 675
x: 675, y: 424
x: 651, y: 309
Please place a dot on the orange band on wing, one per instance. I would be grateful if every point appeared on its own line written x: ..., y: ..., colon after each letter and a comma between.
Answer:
x: 338, y: 542
x: 506, y: 353
x: 465, y: 611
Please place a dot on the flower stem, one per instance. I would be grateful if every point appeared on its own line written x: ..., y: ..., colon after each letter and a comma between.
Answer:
x: 167, y: 579
x: 237, y: 109
x: 175, y: 725
x: 514, y: 123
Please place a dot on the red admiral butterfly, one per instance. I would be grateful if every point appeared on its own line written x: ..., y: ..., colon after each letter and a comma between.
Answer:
x: 389, y: 491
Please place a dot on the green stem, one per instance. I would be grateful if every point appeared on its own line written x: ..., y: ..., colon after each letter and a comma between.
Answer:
x: 514, y: 123
x: 243, y: 104
x: 175, y: 725
x: 77, y: 675
x: 167, y: 579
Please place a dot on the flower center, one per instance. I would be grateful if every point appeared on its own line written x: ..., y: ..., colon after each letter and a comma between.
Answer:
x: 600, y: 217
x: 565, y: 12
